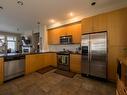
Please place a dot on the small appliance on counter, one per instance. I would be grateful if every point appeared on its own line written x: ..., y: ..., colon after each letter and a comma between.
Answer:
x: 66, y: 40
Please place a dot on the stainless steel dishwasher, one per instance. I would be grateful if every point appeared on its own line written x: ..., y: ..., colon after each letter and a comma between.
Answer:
x: 14, y: 66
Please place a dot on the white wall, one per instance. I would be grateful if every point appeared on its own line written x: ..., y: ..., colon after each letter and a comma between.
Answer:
x: 44, y: 39
x: 27, y: 33
x: 56, y: 48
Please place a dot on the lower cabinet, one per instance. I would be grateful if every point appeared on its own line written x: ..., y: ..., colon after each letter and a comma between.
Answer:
x: 51, y: 59
x: 37, y: 61
x: 117, y: 92
x: 1, y: 70
x: 75, y: 63
x: 121, y: 89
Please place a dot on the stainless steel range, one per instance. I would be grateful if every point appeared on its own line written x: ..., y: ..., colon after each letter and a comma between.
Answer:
x: 63, y: 61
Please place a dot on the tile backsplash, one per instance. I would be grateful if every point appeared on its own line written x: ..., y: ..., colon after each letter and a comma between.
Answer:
x: 56, y: 48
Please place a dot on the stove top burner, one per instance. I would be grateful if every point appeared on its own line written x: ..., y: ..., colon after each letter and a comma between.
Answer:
x: 64, y: 52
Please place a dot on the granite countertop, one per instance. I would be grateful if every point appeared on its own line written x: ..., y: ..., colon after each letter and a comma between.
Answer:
x: 11, y: 54
x: 21, y: 54
x: 50, y: 52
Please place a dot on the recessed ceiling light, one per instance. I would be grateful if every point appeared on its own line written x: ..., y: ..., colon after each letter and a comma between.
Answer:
x: 17, y: 29
x: 20, y: 2
x: 1, y: 8
x: 71, y: 14
x: 38, y: 22
x: 93, y: 3
x: 52, y: 21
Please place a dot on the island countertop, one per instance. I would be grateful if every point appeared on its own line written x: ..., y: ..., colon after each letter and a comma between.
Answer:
x: 32, y: 53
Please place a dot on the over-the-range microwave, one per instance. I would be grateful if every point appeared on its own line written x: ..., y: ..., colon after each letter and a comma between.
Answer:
x: 66, y: 40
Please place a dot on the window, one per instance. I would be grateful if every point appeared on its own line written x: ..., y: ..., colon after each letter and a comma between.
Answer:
x: 11, y: 43
x: 2, y: 40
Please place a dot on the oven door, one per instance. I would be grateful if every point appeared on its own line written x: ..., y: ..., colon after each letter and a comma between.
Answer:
x: 63, y: 59
x: 63, y: 62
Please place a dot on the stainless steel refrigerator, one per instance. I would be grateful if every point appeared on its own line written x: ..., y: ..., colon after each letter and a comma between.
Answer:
x: 94, y: 54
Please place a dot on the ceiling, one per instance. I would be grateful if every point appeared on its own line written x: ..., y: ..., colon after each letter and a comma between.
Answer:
x: 25, y: 17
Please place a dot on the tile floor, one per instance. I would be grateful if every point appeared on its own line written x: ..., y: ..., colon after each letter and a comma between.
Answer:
x: 51, y: 83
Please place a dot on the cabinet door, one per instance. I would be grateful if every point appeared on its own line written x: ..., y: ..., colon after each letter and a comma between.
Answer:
x: 75, y: 31
x: 51, y: 59
x: 121, y: 88
x: 53, y: 36
x: 117, y: 27
x: 1, y: 70
x: 34, y: 63
x: 124, y: 74
x: 75, y: 63
x: 100, y: 23
x: 87, y: 25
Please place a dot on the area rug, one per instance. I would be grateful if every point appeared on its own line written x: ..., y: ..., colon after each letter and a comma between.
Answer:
x: 46, y: 69
x: 65, y: 73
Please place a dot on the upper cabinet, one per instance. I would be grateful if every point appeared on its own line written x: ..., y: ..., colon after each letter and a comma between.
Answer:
x: 94, y: 24
x: 100, y: 23
x: 72, y: 29
x: 87, y: 25
x: 53, y: 36
x: 75, y: 31
x: 117, y: 21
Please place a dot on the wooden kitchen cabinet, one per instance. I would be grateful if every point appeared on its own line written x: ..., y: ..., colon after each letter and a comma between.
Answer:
x: 75, y: 31
x: 121, y: 89
x: 37, y: 61
x: 1, y: 70
x: 53, y: 36
x: 100, y: 23
x: 117, y: 25
x: 87, y: 25
x: 96, y: 23
x: 71, y: 29
x: 117, y: 39
x: 51, y: 59
x: 75, y: 63
x: 34, y: 62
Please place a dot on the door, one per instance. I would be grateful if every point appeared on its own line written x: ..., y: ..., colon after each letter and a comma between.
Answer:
x: 98, y: 54
x: 85, y: 69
